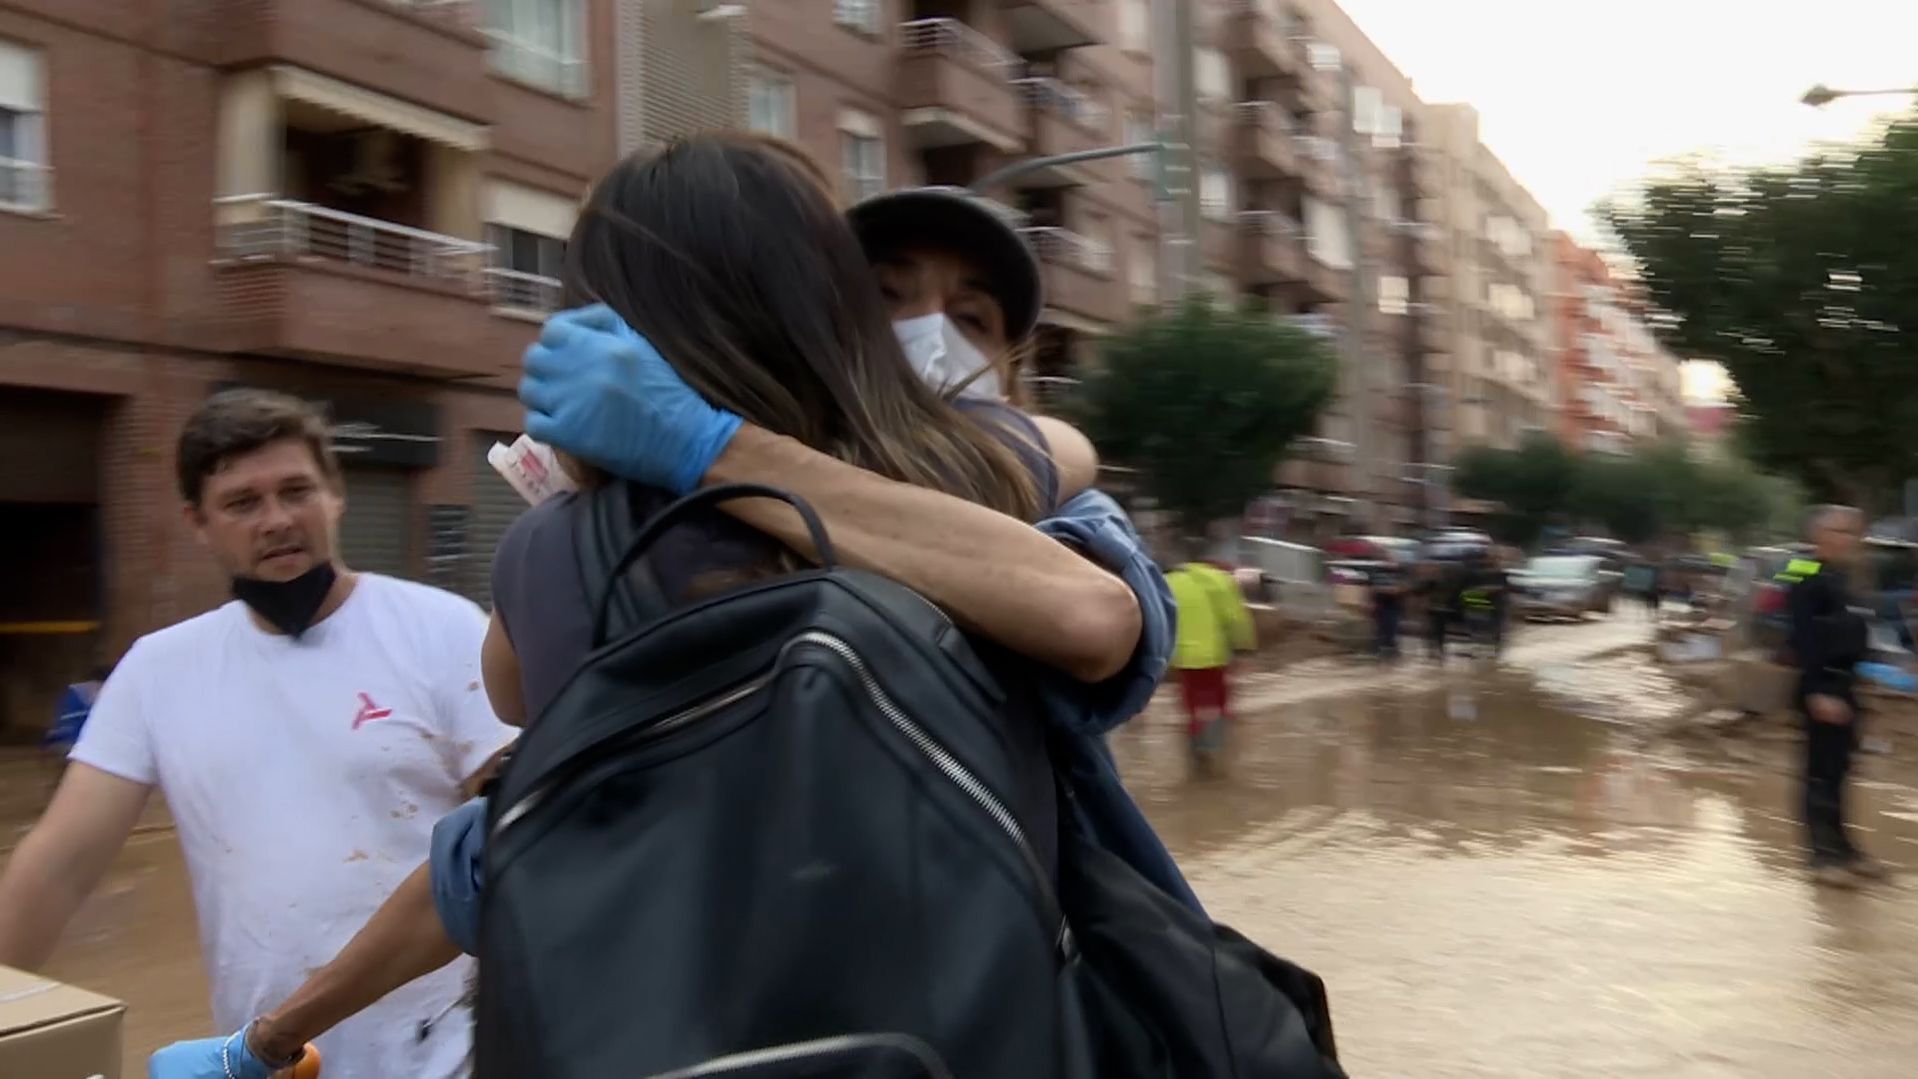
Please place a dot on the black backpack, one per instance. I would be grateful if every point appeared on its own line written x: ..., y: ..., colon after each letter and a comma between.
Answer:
x: 772, y: 834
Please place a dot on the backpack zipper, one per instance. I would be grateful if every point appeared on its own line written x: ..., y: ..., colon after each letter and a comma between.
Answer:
x: 732, y: 1063
x: 518, y: 810
x: 945, y: 762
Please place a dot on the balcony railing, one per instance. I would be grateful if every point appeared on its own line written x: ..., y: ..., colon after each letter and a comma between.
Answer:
x: 959, y: 41
x: 522, y: 291
x: 1270, y: 223
x: 1057, y: 245
x: 264, y: 227
x: 1042, y: 92
x: 1051, y: 393
x: 1318, y: 147
x: 1266, y: 114
x: 24, y: 185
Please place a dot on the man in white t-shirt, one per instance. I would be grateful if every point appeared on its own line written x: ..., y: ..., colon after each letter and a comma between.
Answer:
x: 306, y: 736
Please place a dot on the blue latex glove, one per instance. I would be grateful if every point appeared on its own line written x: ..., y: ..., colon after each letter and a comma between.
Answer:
x: 1890, y: 677
x: 201, y: 1059
x: 596, y: 389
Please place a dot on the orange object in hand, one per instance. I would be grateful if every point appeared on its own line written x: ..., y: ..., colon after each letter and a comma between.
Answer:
x: 308, y: 1067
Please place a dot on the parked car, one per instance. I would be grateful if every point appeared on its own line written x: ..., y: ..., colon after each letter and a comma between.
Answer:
x: 1562, y: 586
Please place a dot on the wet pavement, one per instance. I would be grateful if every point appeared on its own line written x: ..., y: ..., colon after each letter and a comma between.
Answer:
x: 1504, y: 873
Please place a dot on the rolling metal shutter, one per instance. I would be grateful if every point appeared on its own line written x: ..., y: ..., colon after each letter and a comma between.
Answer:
x: 495, y: 506
x: 375, y: 533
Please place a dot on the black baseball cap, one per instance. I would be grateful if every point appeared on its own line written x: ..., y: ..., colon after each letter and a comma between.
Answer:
x: 958, y: 220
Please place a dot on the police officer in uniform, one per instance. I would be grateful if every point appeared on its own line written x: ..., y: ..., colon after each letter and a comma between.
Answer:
x: 1828, y: 639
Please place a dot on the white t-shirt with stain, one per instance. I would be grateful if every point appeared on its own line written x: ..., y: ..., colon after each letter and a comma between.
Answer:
x: 304, y: 778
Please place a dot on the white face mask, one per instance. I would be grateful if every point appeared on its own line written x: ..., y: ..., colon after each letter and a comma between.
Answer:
x: 944, y: 358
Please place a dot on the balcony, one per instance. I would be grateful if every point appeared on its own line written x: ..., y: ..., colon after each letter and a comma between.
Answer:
x: 1321, y: 163
x: 1053, y: 394
x: 1064, y: 121
x: 1422, y: 168
x: 1078, y: 274
x: 514, y: 292
x: 1260, y: 42
x: 300, y: 280
x: 428, y: 54
x: 1272, y: 248
x: 955, y: 88
x: 1425, y: 242
x: 1044, y: 27
x: 1324, y: 283
x: 1264, y: 140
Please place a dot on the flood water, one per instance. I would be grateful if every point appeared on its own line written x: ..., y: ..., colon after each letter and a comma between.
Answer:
x: 1498, y: 874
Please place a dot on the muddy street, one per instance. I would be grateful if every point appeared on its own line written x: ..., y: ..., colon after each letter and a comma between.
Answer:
x: 1498, y: 874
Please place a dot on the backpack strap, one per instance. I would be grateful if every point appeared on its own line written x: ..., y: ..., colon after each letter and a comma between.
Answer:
x: 605, y: 530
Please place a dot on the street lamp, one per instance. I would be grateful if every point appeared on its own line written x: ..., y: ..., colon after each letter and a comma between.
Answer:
x: 1821, y: 95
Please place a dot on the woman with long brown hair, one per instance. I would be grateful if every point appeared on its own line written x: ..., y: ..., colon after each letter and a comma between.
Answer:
x: 727, y: 255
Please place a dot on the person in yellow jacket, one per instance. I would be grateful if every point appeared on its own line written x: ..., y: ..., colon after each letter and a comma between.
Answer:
x: 1213, y: 624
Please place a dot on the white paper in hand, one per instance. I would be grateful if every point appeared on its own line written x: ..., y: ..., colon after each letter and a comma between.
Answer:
x: 531, y: 468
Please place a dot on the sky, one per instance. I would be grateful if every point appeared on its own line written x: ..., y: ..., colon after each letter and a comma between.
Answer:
x: 1581, y: 98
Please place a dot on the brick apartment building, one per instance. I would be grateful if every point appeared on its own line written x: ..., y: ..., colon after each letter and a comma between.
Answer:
x: 358, y: 201
x: 1495, y: 320
x: 1619, y: 386
x: 364, y: 202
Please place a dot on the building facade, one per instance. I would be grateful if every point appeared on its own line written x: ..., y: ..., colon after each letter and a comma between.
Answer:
x: 1501, y: 381
x: 358, y: 201
x: 365, y: 202
x: 1618, y: 385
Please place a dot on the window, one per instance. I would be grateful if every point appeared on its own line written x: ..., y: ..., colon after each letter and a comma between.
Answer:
x: 1325, y: 235
x: 860, y: 15
x: 1367, y: 101
x: 1138, y: 128
x: 1322, y: 56
x: 1394, y: 295
x: 862, y: 154
x: 1143, y: 268
x: 1098, y: 246
x: 525, y: 252
x: 25, y: 181
x: 1390, y: 128
x: 1215, y: 191
x: 539, y: 42
x: 769, y: 105
x: 1388, y: 203
x: 1135, y: 24
x: 1212, y: 74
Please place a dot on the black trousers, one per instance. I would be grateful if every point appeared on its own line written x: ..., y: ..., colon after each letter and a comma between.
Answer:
x: 1828, y: 751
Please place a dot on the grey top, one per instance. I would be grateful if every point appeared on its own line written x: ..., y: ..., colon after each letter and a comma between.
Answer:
x: 546, y: 606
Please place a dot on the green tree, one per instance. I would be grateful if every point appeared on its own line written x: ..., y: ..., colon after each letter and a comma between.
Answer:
x: 1203, y: 403
x: 1803, y: 281
x: 1534, y: 483
x: 1615, y: 493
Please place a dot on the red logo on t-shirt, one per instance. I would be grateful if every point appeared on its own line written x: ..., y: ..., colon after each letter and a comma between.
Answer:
x: 369, y: 712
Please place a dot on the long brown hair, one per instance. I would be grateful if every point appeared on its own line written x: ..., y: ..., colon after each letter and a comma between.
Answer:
x: 728, y: 254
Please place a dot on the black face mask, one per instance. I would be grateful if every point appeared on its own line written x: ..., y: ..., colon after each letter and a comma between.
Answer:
x: 288, y: 606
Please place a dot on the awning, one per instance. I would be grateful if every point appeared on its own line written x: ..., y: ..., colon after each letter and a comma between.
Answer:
x: 299, y: 84
x: 529, y: 209
x: 1052, y: 316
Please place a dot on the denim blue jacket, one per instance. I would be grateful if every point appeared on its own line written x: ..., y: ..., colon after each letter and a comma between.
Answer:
x: 1081, y: 715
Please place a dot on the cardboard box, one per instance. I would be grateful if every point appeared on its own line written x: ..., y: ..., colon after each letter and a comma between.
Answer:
x: 54, y: 1031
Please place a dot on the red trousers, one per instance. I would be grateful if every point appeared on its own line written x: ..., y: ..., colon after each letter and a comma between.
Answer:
x: 1205, y: 694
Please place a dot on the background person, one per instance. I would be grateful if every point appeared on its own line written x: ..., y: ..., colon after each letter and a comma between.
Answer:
x: 306, y: 736
x: 1213, y: 624
x: 1828, y: 639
